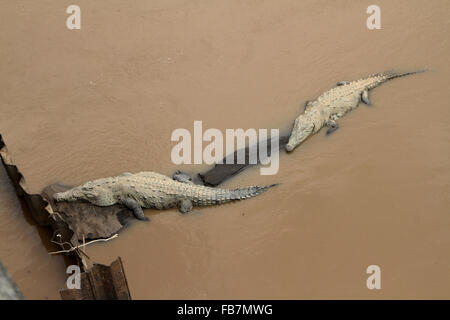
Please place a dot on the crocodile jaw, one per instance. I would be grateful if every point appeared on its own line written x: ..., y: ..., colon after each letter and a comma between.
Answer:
x: 301, y: 131
x: 70, y: 195
x: 289, y: 147
x: 294, y: 142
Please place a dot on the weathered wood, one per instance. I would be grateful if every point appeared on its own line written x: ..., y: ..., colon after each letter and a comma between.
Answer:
x: 35, y: 202
x: 119, y: 280
x: 101, y: 283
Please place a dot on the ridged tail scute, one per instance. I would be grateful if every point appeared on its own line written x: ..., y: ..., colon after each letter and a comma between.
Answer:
x: 392, y: 74
x: 220, y: 196
x: 248, y: 192
x: 389, y: 75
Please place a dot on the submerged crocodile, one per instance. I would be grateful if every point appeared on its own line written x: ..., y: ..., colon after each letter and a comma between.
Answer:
x: 334, y: 104
x: 154, y: 190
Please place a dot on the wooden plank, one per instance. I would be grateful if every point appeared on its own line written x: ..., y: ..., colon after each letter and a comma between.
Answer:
x: 101, y: 283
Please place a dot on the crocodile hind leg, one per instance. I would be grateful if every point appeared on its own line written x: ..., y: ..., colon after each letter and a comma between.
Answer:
x: 307, y: 104
x: 182, y: 177
x: 365, y: 97
x: 134, y: 206
x: 185, y: 206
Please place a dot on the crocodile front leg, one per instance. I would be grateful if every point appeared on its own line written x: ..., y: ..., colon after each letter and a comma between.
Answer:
x: 332, y: 126
x: 134, y: 206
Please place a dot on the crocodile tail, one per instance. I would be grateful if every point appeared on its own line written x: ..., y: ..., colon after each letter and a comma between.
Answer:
x: 389, y: 75
x: 392, y: 75
x: 248, y: 192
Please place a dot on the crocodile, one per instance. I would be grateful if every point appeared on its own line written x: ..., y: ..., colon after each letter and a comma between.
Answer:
x: 153, y: 190
x: 334, y: 104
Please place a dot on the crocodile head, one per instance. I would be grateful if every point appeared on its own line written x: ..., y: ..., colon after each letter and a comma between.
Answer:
x: 302, y: 130
x: 96, y: 195
x: 69, y: 195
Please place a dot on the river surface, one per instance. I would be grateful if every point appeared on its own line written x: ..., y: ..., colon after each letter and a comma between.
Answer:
x: 76, y: 105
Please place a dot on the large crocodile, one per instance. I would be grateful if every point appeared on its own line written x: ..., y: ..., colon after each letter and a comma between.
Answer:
x: 334, y: 104
x: 154, y: 190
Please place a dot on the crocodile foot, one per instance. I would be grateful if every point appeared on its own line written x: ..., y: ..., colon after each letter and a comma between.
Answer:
x: 134, y: 206
x: 182, y: 177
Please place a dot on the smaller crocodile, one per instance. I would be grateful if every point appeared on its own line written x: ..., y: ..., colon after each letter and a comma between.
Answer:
x: 154, y: 190
x: 334, y: 104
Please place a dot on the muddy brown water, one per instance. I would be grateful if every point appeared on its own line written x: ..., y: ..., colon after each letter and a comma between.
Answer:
x: 79, y: 105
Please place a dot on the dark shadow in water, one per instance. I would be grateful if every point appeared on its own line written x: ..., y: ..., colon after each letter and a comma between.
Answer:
x: 221, y: 172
